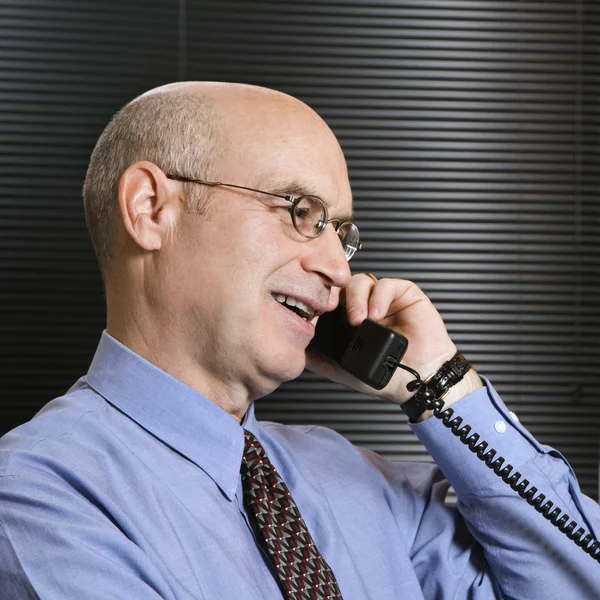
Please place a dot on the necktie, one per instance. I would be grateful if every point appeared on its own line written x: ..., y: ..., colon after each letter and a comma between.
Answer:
x: 303, y: 572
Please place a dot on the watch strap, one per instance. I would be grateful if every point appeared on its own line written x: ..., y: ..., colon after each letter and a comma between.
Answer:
x: 436, y: 386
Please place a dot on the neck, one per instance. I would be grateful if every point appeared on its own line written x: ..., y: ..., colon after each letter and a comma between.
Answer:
x: 153, y: 339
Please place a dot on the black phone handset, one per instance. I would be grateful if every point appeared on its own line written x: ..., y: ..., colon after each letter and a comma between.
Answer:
x: 372, y: 352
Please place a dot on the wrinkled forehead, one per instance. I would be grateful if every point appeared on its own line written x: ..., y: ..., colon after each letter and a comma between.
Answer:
x: 274, y: 141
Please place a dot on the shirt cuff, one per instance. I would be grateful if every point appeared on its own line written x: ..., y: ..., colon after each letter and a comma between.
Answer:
x: 488, y: 416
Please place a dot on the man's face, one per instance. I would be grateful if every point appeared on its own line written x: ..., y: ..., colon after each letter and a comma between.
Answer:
x: 231, y: 267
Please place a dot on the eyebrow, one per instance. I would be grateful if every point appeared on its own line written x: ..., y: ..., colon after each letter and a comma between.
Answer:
x: 295, y: 188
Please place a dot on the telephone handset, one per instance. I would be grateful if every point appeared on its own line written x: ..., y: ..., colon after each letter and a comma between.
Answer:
x: 372, y: 352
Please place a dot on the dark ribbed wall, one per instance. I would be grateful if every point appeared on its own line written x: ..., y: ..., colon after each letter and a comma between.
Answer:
x: 472, y: 136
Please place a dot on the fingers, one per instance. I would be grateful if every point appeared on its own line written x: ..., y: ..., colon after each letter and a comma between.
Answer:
x: 382, y: 295
x: 356, y: 297
x: 365, y: 298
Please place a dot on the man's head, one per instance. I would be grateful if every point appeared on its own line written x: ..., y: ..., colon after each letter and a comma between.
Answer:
x: 194, y: 272
x: 174, y: 129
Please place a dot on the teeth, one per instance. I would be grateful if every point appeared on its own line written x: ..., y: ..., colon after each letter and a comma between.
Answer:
x: 291, y: 301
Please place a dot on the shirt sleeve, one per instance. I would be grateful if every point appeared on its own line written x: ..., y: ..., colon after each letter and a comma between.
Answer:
x: 529, y: 557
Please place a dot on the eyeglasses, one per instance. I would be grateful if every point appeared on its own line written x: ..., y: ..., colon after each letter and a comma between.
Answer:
x: 309, y: 215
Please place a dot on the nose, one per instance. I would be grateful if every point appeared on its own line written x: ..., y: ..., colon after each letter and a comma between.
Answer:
x: 325, y: 255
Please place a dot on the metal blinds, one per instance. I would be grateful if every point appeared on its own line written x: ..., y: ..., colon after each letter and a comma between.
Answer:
x: 473, y: 162
x: 65, y: 68
x: 471, y: 132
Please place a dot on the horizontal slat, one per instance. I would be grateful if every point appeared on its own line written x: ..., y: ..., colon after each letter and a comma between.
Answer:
x: 471, y: 130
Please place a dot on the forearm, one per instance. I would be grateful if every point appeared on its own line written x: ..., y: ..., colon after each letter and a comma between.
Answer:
x: 529, y: 557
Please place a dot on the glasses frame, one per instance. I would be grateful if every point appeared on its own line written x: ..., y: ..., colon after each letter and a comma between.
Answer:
x: 295, y: 200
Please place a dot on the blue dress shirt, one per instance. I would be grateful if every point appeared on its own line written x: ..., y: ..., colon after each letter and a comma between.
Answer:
x: 128, y: 487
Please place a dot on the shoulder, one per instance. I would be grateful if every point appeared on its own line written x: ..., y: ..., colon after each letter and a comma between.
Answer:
x: 51, y: 435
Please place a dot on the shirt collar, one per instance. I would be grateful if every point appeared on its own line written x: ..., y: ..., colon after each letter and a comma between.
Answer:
x: 179, y: 416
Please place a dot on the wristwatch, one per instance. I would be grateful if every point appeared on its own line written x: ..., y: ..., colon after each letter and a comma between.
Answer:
x: 436, y: 386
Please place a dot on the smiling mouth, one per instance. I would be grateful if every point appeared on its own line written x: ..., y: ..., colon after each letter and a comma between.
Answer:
x: 295, y: 305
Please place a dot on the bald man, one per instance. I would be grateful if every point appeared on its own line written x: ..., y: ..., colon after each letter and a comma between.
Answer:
x: 221, y: 215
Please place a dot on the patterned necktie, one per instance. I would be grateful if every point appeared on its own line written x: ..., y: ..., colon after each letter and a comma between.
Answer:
x: 302, y: 570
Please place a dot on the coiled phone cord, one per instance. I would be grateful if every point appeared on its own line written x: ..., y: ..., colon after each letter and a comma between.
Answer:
x: 561, y: 520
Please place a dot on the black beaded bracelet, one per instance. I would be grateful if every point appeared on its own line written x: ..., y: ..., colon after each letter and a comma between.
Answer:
x: 436, y: 386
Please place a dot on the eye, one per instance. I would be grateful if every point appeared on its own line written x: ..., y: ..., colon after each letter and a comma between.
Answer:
x: 309, y: 216
x: 302, y: 212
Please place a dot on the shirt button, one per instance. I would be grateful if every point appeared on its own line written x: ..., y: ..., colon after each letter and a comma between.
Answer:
x: 500, y: 426
x: 513, y: 416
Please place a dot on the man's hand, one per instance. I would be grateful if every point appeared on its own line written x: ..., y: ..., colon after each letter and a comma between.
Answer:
x: 405, y: 308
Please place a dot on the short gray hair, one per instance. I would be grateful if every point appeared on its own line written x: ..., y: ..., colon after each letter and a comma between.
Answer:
x: 173, y: 129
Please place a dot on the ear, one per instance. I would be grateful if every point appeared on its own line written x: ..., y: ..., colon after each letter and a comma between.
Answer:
x: 149, y: 208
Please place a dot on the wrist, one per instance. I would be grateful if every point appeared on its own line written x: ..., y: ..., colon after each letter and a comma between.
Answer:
x: 443, y: 387
x: 470, y: 383
x: 398, y: 393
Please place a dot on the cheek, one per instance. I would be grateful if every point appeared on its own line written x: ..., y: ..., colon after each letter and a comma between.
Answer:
x: 229, y: 258
x: 261, y: 246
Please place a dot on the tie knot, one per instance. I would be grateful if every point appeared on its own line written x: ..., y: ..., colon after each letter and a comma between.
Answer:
x: 254, y: 453
x: 250, y: 438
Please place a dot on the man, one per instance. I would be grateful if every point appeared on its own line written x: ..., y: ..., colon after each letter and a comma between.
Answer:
x: 216, y: 272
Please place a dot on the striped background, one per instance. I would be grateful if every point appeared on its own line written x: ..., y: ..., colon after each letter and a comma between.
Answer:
x: 471, y: 130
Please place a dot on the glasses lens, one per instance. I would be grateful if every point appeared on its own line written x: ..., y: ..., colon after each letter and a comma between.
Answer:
x: 348, y: 234
x: 309, y: 216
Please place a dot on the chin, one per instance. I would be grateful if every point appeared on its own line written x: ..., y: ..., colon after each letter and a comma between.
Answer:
x: 284, y: 367
x: 291, y: 369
